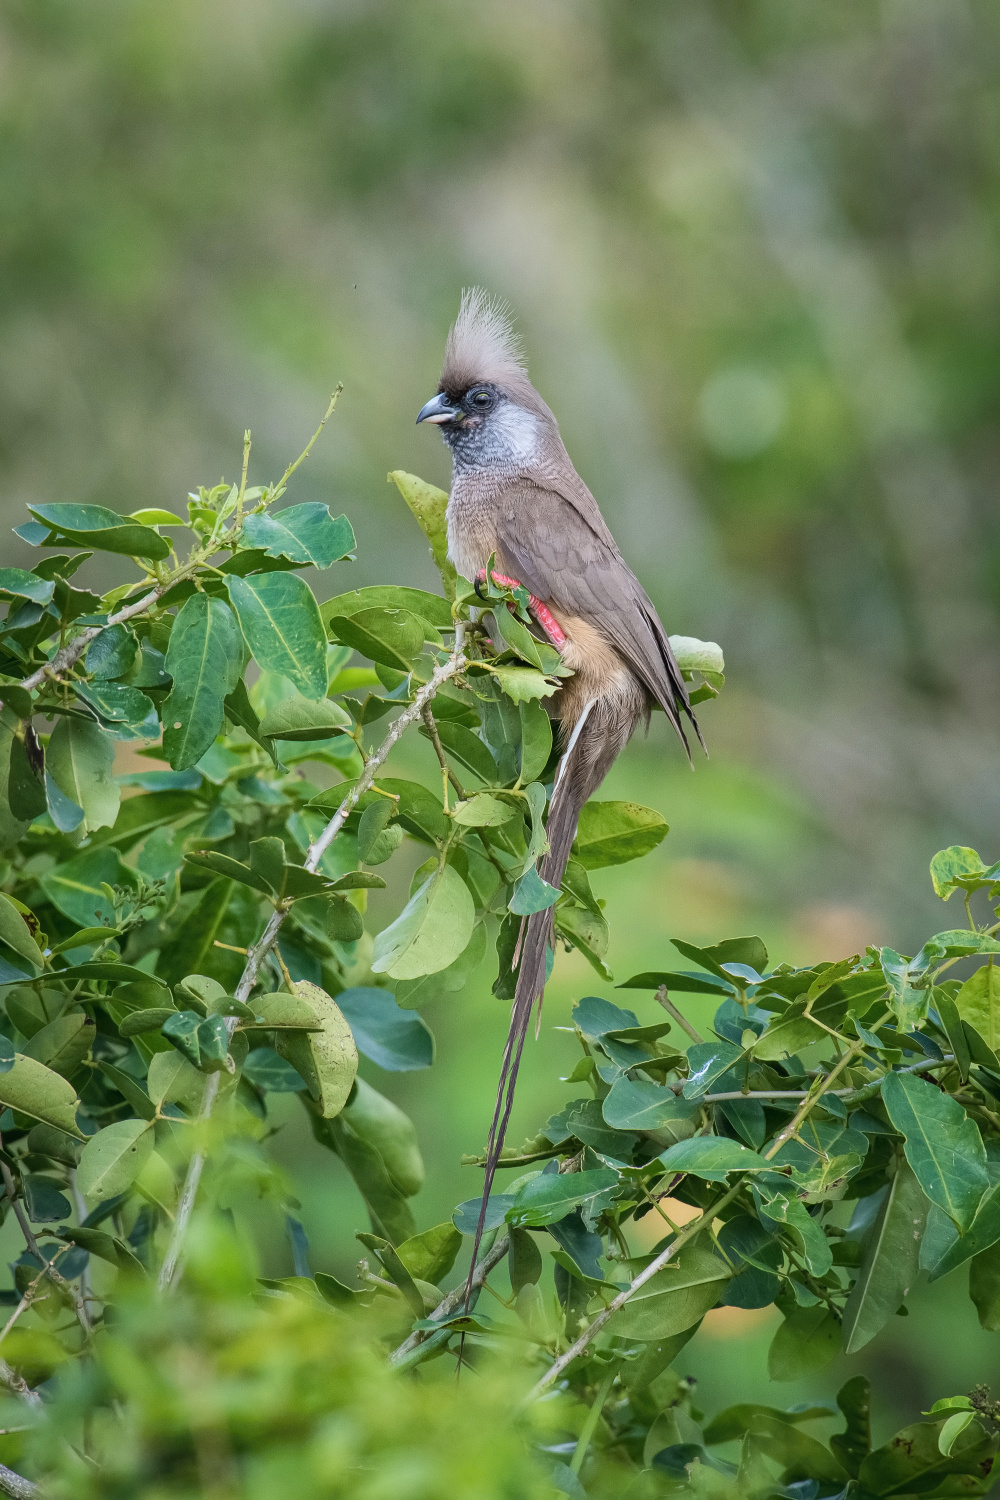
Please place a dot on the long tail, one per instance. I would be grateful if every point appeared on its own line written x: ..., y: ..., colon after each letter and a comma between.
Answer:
x: 600, y: 733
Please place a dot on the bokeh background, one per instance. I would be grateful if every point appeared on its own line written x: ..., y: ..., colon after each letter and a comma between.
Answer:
x: 752, y: 250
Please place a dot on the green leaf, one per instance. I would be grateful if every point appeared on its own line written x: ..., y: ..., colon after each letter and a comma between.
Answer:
x: 232, y: 869
x: 113, y: 1158
x: 397, y: 1040
x: 181, y: 1029
x: 430, y: 932
x: 960, y: 869
x: 279, y: 618
x: 80, y: 760
x: 15, y: 932
x: 912, y: 1463
x: 382, y: 1125
x: 297, y: 718
x: 943, y: 1146
x: 853, y: 1445
x: 536, y: 740
x: 430, y: 607
x: 112, y: 653
x: 675, y: 1298
x: 171, y: 1078
x: 303, y: 533
x: 483, y: 811
x: 794, y: 1450
x: 779, y: 1206
x: 35, y: 1090
x: 17, y: 583
x: 693, y: 655
x: 428, y: 505
x: 102, y: 529
x: 326, y: 1059
x: 389, y: 1211
x: 891, y: 1261
x: 394, y: 637
x: 524, y: 684
x: 807, y: 1340
x: 63, y: 1043
x: 708, y: 1061
x: 192, y: 947
x: 695, y: 984
x: 984, y: 1287
x: 711, y: 1157
x: 549, y: 1197
x: 418, y: 809
x: 12, y: 826
x: 26, y: 778
x: 76, y: 888
x: 129, y: 1090
x: 982, y: 1234
x: 640, y: 1104
x: 612, y: 833
x: 468, y: 749
x: 531, y: 893
x: 130, y: 712
x: 736, y: 1420
x: 266, y: 1070
x: 204, y: 658
x: 978, y: 1002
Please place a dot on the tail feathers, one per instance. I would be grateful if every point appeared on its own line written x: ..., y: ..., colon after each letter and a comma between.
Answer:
x: 570, y: 794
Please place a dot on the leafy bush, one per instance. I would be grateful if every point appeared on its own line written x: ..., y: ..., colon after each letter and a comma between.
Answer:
x: 171, y: 957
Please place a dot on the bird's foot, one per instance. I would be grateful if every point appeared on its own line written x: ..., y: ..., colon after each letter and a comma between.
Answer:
x: 544, y: 616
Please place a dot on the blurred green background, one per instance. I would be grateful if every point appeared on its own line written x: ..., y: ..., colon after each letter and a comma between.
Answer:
x: 752, y: 249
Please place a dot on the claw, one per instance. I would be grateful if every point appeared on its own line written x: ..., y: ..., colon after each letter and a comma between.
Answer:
x: 546, y: 619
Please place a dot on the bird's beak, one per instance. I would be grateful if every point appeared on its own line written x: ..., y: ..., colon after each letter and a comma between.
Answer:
x: 438, y: 410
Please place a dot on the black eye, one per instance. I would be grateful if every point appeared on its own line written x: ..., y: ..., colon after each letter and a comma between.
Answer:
x: 482, y: 399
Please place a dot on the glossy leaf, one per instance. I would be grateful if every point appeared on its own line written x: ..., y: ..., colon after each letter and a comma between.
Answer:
x: 483, y: 811
x: 102, y: 529
x: 430, y: 607
x: 204, y: 658
x: 18, y: 583
x: 984, y: 1287
x: 550, y: 1196
x: 279, y: 618
x: 711, y: 1157
x: 612, y: 833
x: 982, y: 1234
x: 305, y: 533
x: 299, y: 719
x: 943, y: 1146
x: 394, y: 637
x: 891, y: 1261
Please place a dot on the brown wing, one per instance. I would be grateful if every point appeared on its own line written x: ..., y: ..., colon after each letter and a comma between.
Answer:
x: 567, y: 561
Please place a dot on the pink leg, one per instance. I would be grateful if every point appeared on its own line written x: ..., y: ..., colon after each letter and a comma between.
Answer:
x: 541, y: 612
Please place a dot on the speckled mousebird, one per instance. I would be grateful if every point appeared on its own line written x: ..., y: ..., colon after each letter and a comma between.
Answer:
x: 515, y: 495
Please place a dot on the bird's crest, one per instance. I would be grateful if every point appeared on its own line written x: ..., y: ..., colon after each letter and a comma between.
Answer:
x: 483, y: 347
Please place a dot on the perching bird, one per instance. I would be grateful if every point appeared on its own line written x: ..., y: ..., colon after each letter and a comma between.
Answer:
x: 516, y: 494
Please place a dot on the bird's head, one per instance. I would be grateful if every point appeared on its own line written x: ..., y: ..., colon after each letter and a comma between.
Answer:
x: 489, y: 413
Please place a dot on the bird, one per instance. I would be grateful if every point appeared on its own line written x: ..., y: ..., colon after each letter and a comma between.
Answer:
x: 517, y: 499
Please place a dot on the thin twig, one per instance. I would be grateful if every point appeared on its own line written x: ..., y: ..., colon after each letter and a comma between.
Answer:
x: 36, y: 1250
x: 432, y: 732
x: 454, y: 1299
x: 17, y: 1384
x: 69, y: 655
x: 668, y: 1005
x: 587, y: 1336
x: 255, y: 957
x: 591, y: 1420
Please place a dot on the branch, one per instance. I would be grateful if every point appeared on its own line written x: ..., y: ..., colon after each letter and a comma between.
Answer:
x: 49, y: 1266
x: 448, y: 668
x: 16, y: 1485
x: 453, y: 1300
x: 668, y: 1005
x: 70, y: 654
x: 687, y: 1233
